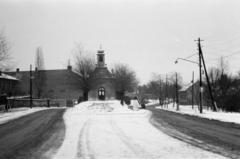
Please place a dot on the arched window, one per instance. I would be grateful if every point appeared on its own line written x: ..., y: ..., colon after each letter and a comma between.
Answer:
x: 101, y: 93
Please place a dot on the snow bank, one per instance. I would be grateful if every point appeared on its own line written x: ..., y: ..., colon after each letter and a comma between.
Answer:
x: 221, y: 116
x: 17, y: 112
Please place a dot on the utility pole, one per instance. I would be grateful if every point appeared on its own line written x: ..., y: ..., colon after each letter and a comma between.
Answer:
x: 200, y: 75
x: 177, y: 92
x: 30, y: 86
x: 160, y: 92
x: 214, y: 107
x: 192, y: 89
x: 166, y: 91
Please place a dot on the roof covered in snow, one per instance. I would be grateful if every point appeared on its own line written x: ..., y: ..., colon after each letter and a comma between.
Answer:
x: 185, y: 87
x: 188, y: 86
x: 8, y: 77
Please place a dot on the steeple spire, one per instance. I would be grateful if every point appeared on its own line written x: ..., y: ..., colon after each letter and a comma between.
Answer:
x: 69, y: 62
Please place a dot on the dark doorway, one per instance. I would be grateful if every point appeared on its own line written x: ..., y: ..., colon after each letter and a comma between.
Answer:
x: 101, y: 93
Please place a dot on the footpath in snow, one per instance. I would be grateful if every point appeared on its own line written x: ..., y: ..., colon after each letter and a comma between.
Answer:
x: 106, y: 130
x: 221, y: 116
x: 17, y: 113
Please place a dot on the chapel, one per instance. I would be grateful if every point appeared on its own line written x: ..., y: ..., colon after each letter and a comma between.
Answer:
x: 102, y: 80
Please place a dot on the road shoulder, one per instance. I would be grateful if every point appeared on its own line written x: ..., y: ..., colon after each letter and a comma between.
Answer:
x: 212, y: 135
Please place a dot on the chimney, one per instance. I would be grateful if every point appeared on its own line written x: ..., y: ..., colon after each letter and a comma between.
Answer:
x: 17, y: 70
x: 69, y: 68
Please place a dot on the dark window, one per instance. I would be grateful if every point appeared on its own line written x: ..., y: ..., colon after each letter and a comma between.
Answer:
x: 100, y: 58
x: 101, y: 93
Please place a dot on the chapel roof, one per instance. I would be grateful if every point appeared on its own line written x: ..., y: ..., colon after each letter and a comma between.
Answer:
x: 101, y: 72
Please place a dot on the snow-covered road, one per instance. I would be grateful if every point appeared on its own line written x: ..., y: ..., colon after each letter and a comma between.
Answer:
x: 109, y: 131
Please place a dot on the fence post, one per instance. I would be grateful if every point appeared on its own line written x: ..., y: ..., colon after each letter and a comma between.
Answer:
x: 13, y: 103
x: 48, y: 102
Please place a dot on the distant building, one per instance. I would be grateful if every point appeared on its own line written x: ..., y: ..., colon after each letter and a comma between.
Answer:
x: 102, y: 81
x: 7, y: 84
x: 185, y: 94
x: 58, y: 84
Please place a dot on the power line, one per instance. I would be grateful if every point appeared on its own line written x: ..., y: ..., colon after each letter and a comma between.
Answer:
x: 216, y: 39
x: 227, y: 56
x: 225, y: 45
x: 217, y: 49
x: 228, y: 41
x: 223, y: 49
x: 190, y: 56
x: 235, y: 53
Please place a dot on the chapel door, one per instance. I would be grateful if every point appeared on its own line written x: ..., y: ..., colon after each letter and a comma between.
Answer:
x: 101, y: 93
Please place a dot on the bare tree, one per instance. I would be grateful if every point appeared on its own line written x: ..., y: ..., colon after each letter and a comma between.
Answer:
x: 4, y: 52
x: 223, y: 65
x: 158, y: 88
x: 39, y: 75
x: 172, y: 84
x: 125, y: 79
x: 84, y: 66
x: 39, y: 59
x: 225, y: 87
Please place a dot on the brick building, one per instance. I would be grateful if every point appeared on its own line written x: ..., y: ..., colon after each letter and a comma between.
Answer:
x: 58, y: 84
x: 102, y: 81
x: 7, y: 84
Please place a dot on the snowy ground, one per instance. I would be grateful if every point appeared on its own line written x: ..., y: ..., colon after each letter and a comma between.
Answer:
x: 106, y: 130
x: 221, y: 116
x: 17, y: 112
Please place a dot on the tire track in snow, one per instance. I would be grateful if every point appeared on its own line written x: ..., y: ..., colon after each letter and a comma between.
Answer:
x: 129, y: 142
x: 84, y: 151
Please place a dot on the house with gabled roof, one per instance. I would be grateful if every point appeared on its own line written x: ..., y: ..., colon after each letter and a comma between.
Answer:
x: 7, y: 84
x: 58, y: 84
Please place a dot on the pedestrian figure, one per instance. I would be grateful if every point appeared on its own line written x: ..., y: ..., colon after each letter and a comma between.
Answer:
x: 142, y: 102
x: 5, y: 101
x: 122, y: 103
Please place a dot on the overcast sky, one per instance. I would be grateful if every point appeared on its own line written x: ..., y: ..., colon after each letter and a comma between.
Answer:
x: 148, y: 35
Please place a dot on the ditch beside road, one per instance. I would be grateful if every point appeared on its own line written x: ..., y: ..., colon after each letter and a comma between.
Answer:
x: 212, y: 135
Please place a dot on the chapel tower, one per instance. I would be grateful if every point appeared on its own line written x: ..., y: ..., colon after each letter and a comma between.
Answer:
x: 101, y: 58
x: 102, y: 80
